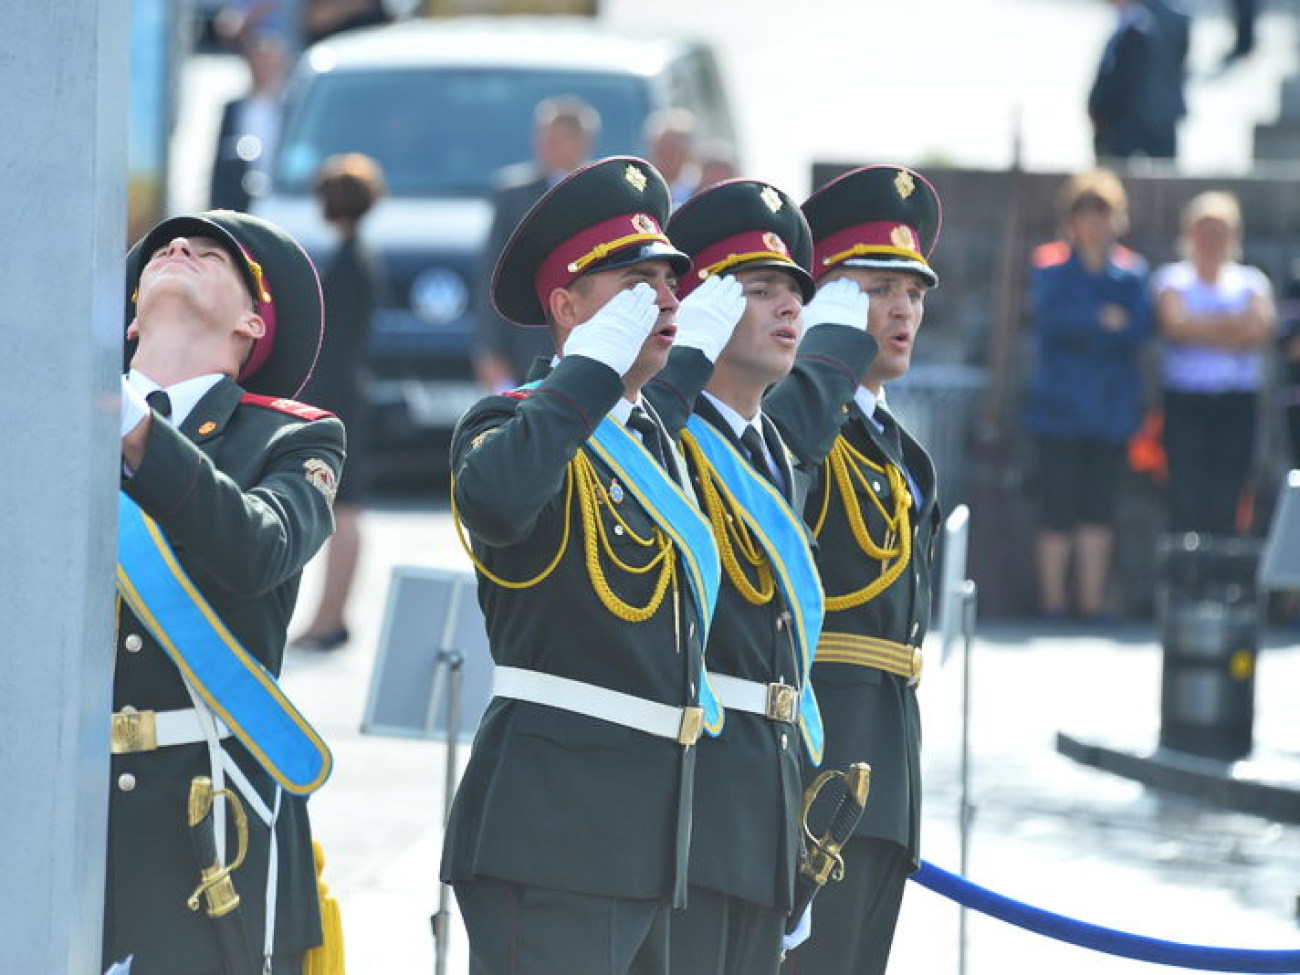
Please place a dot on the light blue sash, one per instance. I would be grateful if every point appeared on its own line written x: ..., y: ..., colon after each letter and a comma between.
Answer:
x: 681, y: 520
x: 238, y: 689
x: 782, y: 536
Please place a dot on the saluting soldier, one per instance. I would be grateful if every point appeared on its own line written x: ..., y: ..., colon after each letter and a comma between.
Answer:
x: 568, y: 837
x: 746, y: 237
x: 874, y: 512
x: 226, y: 493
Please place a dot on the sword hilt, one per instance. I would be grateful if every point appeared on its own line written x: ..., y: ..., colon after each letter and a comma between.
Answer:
x: 824, y: 862
x: 215, y: 884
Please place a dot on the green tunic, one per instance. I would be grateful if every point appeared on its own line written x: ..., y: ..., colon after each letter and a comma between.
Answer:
x: 231, y: 492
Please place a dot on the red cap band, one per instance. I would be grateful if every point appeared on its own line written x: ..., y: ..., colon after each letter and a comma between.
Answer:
x: 578, y: 253
x: 720, y: 257
x: 863, y: 240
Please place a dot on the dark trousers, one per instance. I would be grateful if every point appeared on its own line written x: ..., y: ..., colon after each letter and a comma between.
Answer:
x: 1244, y: 13
x: 1293, y: 430
x: 1209, y: 443
x: 853, y: 921
x: 721, y: 935
x: 518, y: 930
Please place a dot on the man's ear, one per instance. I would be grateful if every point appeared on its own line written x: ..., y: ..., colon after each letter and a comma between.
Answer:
x: 252, y: 326
x: 563, y: 316
x: 561, y: 305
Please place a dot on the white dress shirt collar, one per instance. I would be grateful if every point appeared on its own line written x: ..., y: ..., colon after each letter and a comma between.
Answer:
x: 184, y: 395
x: 868, y: 401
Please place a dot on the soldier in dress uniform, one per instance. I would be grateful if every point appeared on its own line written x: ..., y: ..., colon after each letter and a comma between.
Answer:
x: 874, y: 513
x: 225, y: 320
x: 568, y: 836
x: 748, y: 237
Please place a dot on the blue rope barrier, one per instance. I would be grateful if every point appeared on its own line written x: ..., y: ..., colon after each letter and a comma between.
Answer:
x: 1098, y: 938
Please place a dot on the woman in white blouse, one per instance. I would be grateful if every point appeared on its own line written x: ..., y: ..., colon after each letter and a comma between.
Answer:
x: 1215, y: 317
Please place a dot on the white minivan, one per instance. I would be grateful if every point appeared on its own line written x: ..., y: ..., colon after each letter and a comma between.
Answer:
x: 443, y: 105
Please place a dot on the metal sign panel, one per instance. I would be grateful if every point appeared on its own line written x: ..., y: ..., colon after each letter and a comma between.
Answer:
x: 1279, y: 568
x: 956, y: 529
x: 430, y: 614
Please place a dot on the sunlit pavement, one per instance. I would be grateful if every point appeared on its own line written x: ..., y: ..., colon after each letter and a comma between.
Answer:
x: 1046, y: 830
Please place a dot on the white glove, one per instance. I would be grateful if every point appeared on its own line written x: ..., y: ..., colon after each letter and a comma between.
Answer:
x: 614, y: 334
x: 709, y: 314
x: 134, y: 408
x: 841, y: 302
x: 791, y: 941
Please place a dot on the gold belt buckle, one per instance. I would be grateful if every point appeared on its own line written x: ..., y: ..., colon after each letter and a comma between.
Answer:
x: 917, y: 662
x: 692, y: 726
x: 781, y: 702
x: 133, y: 731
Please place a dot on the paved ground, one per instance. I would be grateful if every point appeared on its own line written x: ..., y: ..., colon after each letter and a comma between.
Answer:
x: 1046, y: 830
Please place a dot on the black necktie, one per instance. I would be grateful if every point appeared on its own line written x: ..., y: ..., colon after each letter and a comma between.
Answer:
x: 160, y: 402
x: 651, y: 436
x: 889, y: 431
x: 753, y: 443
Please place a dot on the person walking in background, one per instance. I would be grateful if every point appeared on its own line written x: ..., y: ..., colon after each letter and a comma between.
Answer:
x: 352, y: 283
x: 564, y: 130
x: 874, y: 510
x: 1126, y: 90
x: 1215, y: 317
x: 1173, y: 27
x: 1091, y: 321
x: 250, y: 127
x: 670, y: 146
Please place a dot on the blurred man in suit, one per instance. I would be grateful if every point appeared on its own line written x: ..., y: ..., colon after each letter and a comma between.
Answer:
x: 250, y: 128
x: 565, y: 129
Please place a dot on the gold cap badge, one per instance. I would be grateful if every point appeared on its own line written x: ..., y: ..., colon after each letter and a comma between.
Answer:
x: 635, y: 177
x: 904, y: 183
x: 902, y: 236
x: 775, y: 244
x: 771, y: 197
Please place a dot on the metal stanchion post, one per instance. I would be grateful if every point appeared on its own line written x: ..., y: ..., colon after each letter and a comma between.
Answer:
x: 448, y: 674
x: 965, y: 593
x: 451, y: 663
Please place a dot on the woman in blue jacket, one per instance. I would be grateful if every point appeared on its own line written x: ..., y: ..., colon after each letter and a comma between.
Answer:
x: 1091, y: 320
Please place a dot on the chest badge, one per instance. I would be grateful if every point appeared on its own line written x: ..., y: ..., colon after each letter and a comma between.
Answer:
x: 616, y: 493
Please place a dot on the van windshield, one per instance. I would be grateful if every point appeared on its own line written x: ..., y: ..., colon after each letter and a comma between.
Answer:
x: 445, y: 132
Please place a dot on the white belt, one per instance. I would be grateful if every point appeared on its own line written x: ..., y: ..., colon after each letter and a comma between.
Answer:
x: 682, y: 725
x: 144, y: 731
x: 776, y: 702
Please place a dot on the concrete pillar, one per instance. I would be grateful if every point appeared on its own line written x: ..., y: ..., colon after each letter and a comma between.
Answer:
x: 62, y: 158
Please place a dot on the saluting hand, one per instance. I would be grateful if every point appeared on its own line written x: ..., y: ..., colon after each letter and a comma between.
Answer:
x: 709, y: 314
x: 614, y: 334
x: 841, y: 302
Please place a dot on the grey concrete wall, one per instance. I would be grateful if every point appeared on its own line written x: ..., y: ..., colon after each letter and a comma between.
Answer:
x: 62, y: 159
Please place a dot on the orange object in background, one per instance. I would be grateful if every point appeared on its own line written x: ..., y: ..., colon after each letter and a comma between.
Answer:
x: 1146, y: 450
